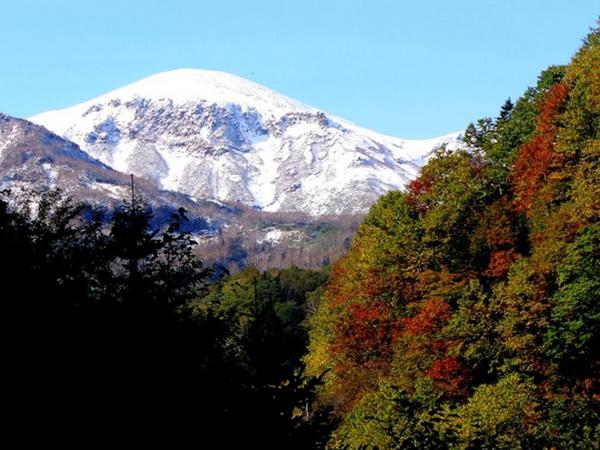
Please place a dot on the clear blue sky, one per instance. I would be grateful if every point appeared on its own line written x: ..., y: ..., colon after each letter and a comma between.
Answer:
x: 410, y: 68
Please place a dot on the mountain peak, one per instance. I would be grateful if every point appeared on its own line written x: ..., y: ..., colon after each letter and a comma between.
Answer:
x: 184, y: 85
x: 187, y: 85
x: 214, y: 135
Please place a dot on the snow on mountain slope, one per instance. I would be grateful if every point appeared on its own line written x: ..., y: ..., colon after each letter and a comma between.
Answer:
x: 214, y: 135
x: 33, y: 159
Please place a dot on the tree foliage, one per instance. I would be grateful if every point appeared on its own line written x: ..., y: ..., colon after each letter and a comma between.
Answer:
x: 112, y: 323
x: 474, y: 295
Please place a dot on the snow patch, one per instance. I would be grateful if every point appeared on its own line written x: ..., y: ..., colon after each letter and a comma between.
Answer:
x: 114, y: 191
x: 275, y: 236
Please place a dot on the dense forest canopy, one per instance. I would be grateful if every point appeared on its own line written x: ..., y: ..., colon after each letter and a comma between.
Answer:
x: 467, y: 311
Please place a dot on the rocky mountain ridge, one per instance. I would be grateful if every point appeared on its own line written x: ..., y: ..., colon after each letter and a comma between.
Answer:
x: 212, y: 135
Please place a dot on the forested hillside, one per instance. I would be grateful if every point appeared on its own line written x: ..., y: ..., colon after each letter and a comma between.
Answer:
x: 467, y: 311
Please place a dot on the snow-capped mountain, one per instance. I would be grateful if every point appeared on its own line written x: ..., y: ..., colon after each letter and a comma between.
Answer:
x: 213, y: 135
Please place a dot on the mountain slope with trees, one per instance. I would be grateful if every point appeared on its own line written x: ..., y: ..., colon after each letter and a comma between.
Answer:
x: 116, y: 329
x: 467, y: 311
